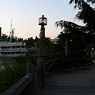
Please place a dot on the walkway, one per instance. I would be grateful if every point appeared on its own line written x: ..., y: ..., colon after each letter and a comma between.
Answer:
x: 74, y: 83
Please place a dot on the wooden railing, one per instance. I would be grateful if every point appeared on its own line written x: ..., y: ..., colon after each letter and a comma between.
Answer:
x: 31, y: 83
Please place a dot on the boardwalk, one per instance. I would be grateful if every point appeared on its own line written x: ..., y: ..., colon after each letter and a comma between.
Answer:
x: 75, y: 83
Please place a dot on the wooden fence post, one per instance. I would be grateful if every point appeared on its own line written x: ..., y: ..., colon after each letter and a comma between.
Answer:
x: 41, y: 63
x: 33, y: 85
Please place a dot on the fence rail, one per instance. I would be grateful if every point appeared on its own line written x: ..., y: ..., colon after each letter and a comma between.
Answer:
x: 31, y: 83
x: 18, y: 87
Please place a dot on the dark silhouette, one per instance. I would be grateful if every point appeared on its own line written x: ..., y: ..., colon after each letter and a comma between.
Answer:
x: 82, y: 37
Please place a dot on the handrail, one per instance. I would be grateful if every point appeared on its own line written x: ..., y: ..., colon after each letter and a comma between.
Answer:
x: 18, y: 87
x: 51, y: 63
x: 29, y: 84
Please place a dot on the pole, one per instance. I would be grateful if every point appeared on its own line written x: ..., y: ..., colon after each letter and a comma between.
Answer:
x: 42, y: 53
x: 42, y: 44
x: 66, y: 52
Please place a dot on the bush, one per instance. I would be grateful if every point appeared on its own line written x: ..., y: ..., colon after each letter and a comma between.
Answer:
x: 11, y: 74
x: 14, y: 69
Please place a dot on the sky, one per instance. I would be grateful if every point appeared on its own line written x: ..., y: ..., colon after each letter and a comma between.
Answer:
x: 25, y: 15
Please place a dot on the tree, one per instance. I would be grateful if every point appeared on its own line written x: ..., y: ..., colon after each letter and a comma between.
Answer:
x: 74, y: 34
x: 19, y: 39
x: 36, y: 39
x: 4, y: 37
x: 80, y: 34
x: 86, y: 13
x: 29, y: 42
x: 78, y: 2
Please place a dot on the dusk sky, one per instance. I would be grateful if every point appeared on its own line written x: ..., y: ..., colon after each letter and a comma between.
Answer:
x: 25, y: 15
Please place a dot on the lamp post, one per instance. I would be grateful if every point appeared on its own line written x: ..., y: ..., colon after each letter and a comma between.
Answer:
x: 42, y: 22
x: 66, y: 52
x: 41, y: 61
x: 66, y: 46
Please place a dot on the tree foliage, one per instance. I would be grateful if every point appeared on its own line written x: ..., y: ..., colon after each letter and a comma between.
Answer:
x: 4, y: 37
x: 79, y: 2
x: 82, y: 36
x: 29, y: 42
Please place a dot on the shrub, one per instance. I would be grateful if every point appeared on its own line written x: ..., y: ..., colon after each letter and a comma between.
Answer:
x: 11, y: 74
